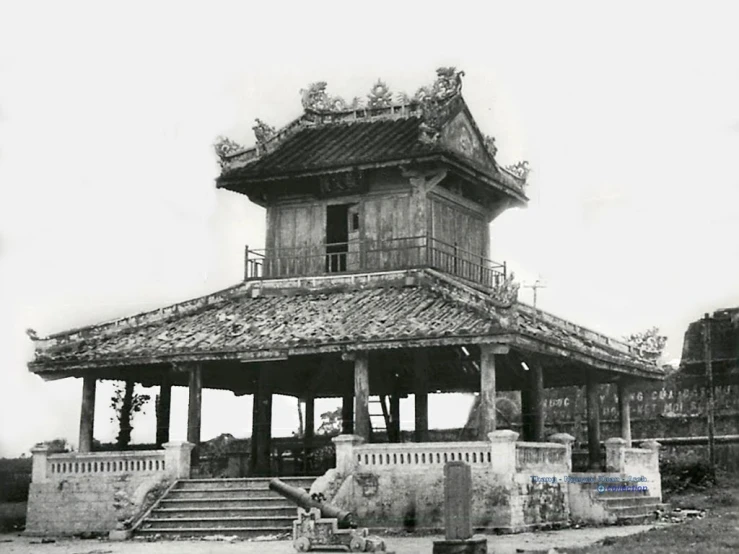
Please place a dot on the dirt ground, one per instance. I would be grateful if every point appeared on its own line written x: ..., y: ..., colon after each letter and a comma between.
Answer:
x: 498, y: 544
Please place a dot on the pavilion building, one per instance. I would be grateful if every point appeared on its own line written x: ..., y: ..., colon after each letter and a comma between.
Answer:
x: 374, y: 281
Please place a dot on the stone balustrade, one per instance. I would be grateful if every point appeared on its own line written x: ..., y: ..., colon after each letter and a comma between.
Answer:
x: 501, y: 453
x: 542, y: 457
x: 173, y: 461
x: 421, y: 455
x: 634, y: 461
x: 75, y: 492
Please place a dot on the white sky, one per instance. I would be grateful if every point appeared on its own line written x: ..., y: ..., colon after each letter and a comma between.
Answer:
x: 628, y: 115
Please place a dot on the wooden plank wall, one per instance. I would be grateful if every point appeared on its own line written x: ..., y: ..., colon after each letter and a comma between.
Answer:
x: 453, y: 223
x: 298, y: 226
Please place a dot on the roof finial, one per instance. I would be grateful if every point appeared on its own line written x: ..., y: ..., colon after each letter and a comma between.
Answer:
x: 316, y: 99
x: 380, y: 95
x: 263, y: 132
x: 448, y: 83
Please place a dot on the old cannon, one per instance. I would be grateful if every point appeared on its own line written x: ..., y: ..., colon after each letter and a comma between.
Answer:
x: 323, y: 526
x: 302, y: 499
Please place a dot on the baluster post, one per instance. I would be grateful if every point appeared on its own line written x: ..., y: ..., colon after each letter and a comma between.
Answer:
x: 246, y: 262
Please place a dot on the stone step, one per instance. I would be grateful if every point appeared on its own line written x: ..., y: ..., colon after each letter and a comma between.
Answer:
x: 637, y: 514
x: 223, y: 493
x: 620, y: 501
x: 277, y: 533
x: 222, y: 523
x: 246, y: 483
x: 223, y: 503
x: 628, y: 511
x: 223, y: 512
x: 244, y: 508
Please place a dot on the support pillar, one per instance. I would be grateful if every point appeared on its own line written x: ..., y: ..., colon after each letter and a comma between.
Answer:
x: 361, y: 396
x: 347, y: 414
x: 254, y: 433
x: 395, y: 417
x: 194, y: 407
x: 420, y: 381
x: 593, y: 401
x: 163, y: 409
x: 87, y: 414
x: 487, y: 410
x: 624, y: 410
x: 537, y: 402
x: 310, y: 410
x: 527, y: 415
x: 262, y: 424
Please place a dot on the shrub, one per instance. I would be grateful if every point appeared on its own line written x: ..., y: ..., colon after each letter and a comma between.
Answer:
x: 678, y: 475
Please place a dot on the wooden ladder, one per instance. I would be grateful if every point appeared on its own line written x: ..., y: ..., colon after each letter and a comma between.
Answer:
x: 384, y: 423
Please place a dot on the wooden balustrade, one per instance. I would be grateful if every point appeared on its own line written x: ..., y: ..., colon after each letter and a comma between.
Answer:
x: 374, y: 255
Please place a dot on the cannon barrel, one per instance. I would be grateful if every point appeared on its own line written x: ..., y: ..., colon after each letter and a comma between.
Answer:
x: 302, y: 499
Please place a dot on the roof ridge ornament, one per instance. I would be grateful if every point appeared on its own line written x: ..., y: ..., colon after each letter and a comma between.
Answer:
x: 316, y: 99
x: 437, y: 102
x: 505, y: 294
x: 520, y: 170
x: 379, y: 96
x: 490, y: 145
x: 225, y: 147
x: 263, y: 132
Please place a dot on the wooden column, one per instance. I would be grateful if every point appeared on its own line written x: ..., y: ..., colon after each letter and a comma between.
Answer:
x: 194, y: 407
x: 254, y: 433
x: 420, y: 390
x: 537, y: 402
x: 624, y: 410
x: 487, y: 410
x: 361, y: 396
x: 310, y: 411
x: 163, y: 409
x: 394, y: 417
x: 310, y: 418
x: 87, y: 414
x: 593, y: 401
x: 124, y: 431
x: 262, y: 423
x: 527, y: 413
x: 347, y: 414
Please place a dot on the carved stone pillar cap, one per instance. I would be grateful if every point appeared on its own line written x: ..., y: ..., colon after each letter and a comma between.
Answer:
x: 651, y: 445
x: 351, y: 439
x: 616, y: 441
x: 40, y: 448
x: 178, y: 445
x: 562, y: 438
x: 504, y: 435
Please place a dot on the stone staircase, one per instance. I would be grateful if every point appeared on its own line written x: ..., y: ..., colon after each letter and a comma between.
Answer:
x: 630, y: 507
x: 243, y: 508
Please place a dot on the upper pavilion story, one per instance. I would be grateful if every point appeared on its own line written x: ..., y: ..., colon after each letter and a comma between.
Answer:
x: 378, y: 185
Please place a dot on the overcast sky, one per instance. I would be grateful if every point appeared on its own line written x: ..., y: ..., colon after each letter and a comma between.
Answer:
x: 628, y: 115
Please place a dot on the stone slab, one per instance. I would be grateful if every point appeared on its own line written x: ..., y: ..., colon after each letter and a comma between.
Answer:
x: 474, y: 545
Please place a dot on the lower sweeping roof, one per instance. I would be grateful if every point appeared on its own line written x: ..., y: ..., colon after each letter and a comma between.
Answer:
x: 293, y: 317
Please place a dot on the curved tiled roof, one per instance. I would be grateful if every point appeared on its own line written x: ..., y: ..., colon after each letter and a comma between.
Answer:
x: 260, y: 320
x: 339, y: 145
x: 246, y: 324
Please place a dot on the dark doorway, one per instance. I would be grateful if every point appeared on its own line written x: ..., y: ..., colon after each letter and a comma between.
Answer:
x: 337, y: 236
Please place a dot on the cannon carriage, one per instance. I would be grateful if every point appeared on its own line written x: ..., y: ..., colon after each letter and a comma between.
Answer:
x: 321, y: 526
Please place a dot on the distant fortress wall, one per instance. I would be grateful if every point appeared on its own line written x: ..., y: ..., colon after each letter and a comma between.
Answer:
x: 671, y: 409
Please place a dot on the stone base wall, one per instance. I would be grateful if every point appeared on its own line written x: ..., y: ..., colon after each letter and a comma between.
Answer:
x: 94, y: 493
x: 514, y: 485
x: 538, y: 503
x: 82, y: 505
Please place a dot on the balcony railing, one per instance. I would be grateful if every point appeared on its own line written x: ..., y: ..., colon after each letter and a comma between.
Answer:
x: 374, y: 255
